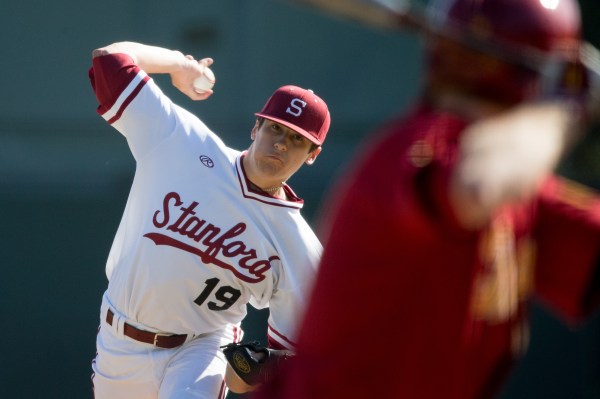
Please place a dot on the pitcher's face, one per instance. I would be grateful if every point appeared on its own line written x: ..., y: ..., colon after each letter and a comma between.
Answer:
x: 277, y: 152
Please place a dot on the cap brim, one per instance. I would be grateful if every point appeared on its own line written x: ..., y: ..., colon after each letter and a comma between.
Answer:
x: 295, y: 128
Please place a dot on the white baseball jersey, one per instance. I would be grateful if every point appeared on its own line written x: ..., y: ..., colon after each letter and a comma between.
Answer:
x: 196, y: 243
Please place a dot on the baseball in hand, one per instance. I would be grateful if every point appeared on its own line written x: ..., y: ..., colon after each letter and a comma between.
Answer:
x: 204, y: 82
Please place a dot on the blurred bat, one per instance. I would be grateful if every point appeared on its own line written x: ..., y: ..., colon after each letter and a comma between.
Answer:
x: 388, y: 14
x: 581, y: 78
x: 417, y: 16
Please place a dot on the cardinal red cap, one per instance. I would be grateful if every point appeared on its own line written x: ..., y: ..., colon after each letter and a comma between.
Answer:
x: 300, y: 110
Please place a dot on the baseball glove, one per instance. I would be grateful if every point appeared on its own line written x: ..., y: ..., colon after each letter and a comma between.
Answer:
x: 252, y: 362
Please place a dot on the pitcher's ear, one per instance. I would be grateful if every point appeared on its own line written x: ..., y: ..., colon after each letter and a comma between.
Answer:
x: 312, y: 156
x: 253, y: 131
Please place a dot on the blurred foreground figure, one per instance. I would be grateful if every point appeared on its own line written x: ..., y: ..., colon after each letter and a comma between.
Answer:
x: 452, y: 219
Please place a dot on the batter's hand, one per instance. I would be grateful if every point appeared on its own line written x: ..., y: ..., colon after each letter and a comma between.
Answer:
x: 183, y: 78
x: 504, y: 158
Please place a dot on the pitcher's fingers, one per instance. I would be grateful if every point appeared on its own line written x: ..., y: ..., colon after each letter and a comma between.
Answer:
x: 206, y: 62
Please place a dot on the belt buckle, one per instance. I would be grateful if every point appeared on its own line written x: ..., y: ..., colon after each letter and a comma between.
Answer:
x: 155, y: 342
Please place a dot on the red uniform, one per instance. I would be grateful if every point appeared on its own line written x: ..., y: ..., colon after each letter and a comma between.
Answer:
x: 408, y: 304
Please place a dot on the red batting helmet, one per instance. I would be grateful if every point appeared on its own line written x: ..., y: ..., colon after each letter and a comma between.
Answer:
x: 503, y: 50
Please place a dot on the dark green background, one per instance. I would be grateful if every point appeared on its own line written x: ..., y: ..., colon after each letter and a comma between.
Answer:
x: 65, y: 175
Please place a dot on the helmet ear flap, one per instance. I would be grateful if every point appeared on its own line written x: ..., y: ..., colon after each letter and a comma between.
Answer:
x: 571, y: 79
x: 579, y: 80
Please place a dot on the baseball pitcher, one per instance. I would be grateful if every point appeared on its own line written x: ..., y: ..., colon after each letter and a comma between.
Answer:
x: 206, y: 229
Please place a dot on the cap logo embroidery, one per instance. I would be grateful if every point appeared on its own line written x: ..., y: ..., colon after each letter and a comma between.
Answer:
x: 296, y: 106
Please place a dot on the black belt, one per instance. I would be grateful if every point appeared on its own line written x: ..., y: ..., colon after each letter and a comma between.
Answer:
x: 159, y: 340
